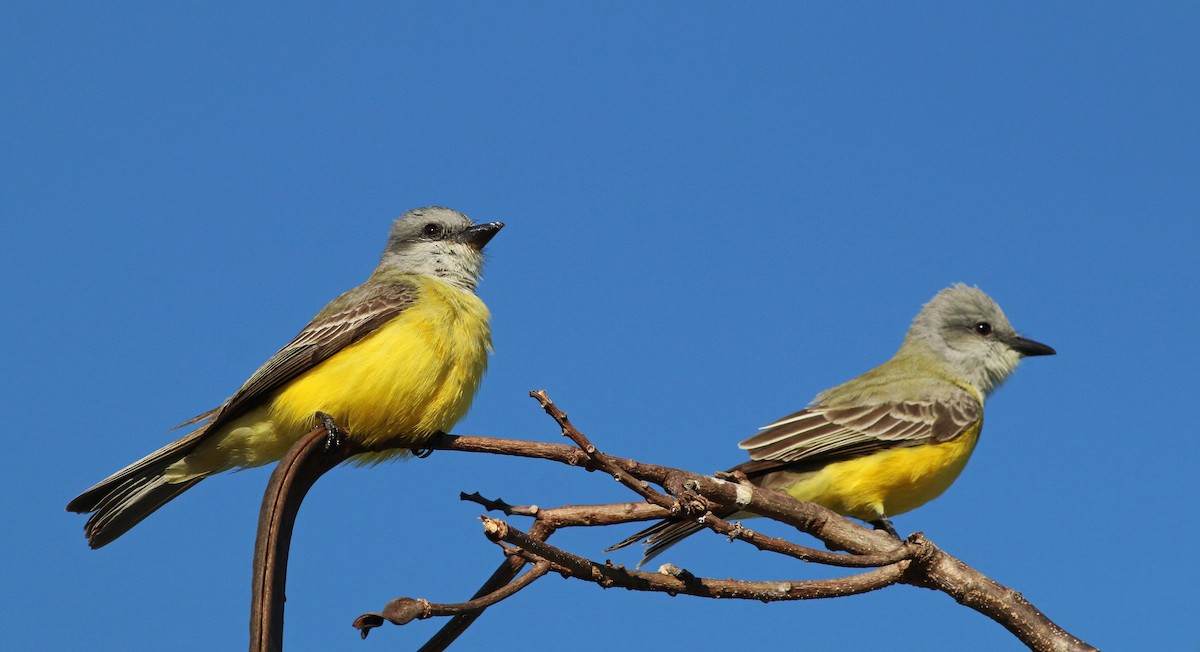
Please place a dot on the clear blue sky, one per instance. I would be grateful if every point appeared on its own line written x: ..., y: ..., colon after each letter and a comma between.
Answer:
x: 714, y: 212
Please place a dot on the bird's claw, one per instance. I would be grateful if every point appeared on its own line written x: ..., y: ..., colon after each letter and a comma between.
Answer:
x: 334, y: 437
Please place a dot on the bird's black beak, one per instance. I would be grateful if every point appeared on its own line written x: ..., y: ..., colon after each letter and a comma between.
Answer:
x: 1027, y: 347
x: 479, y: 235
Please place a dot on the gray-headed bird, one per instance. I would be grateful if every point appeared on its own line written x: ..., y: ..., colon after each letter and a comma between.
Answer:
x: 895, y: 437
x: 392, y: 362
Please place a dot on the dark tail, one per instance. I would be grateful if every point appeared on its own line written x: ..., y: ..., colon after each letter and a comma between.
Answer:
x: 122, y: 500
x: 664, y: 534
x: 659, y: 537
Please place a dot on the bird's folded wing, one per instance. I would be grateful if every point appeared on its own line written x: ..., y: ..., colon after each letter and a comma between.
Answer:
x: 821, y: 433
x: 325, y: 335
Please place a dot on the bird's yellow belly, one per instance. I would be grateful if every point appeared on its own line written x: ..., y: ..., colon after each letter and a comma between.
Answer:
x: 889, y: 482
x: 414, y: 376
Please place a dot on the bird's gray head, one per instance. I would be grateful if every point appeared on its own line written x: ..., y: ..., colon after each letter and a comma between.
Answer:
x: 438, y: 242
x: 968, y: 330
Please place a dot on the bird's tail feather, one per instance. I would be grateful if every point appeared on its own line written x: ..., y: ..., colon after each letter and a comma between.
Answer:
x: 127, y: 505
x: 659, y: 537
x: 123, y: 499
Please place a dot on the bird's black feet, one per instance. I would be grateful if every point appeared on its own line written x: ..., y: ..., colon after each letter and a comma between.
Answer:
x: 420, y: 452
x: 334, y: 437
x: 886, y: 525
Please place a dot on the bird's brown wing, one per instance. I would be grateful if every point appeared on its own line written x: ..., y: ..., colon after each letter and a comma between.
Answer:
x: 330, y: 331
x: 346, y: 320
x: 819, y: 434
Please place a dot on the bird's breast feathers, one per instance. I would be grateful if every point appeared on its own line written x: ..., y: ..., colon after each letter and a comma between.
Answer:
x: 413, y: 376
x: 890, y: 481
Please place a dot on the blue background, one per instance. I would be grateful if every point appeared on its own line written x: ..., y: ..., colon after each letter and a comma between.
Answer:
x: 714, y: 212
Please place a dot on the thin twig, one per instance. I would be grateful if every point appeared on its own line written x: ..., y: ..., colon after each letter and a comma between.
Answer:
x: 601, y: 460
x: 596, y: 515
x: 402, y: 611
x: 761, y: 541
x: 498, y: 505
x: 504, y: 574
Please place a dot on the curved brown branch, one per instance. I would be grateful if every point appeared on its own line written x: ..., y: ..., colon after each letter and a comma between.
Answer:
x: 308, y: 459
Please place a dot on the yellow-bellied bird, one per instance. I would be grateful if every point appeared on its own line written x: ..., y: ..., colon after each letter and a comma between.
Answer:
x: 392, y: 362
x: 897, y: 436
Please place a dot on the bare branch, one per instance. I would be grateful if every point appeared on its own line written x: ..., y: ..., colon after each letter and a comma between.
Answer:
x: 822, y: 523
x: 917, y: 561
x: 675, y: 581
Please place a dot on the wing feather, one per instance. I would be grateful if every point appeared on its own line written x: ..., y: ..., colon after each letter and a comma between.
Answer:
x: 821, y: 433
x: 362, y: 310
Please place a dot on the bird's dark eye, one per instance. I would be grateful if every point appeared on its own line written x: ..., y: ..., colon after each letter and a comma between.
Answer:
x: 433, y: 230
x: 983, y: 328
